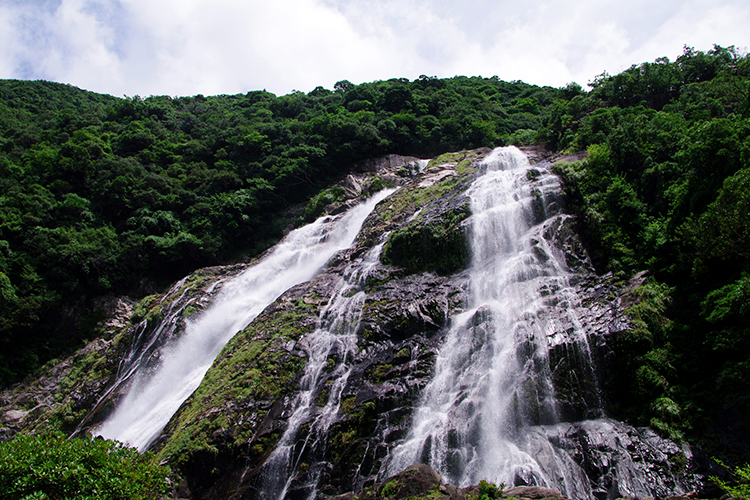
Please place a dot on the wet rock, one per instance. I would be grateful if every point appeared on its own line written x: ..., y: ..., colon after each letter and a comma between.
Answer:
x: 422, y: 482
x: 75, y: 394
x: 352, y: 186
x: 224, y: 432
x: 417, y: 482
x: 389, y: 163
x: 533, y: 493
x: 612, y: 459
x: 13, y: 415
x: 399, y: 331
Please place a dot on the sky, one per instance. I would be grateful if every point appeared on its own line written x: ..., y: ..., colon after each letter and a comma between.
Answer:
x: 210, y: 47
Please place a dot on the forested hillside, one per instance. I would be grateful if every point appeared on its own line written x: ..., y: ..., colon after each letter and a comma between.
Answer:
x: 666, y: 189
x: 106, y: 196
x: 100, y: 195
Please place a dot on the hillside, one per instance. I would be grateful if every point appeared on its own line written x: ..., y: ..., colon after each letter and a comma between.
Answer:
x: 104, y: 196
x: 125, y: 196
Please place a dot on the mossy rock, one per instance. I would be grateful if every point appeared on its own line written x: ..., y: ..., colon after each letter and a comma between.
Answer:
x: 439, y: 245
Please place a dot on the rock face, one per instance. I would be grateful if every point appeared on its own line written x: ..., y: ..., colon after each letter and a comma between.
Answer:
x: 222, y: 435
x: 68, y: 389
x: 422, y: 482
x: 77, y: 393
x: 360, y: 402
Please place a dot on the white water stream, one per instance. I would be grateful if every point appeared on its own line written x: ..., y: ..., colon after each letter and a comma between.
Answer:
x: 332, y: 346
x: 492, y: 378
x: 154, y: 397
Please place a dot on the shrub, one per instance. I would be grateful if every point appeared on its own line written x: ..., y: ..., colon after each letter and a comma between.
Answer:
x: 53, y: 467
x: 316, y: 206
x: 741, y: 479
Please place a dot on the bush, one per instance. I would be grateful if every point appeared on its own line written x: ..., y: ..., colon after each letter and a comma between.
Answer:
x: 739, y: 486
x: 54, y: 467
x: 316, y: 206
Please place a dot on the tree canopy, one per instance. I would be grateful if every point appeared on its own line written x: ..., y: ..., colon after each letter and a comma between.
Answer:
x: 102, y: 195
x: 665, y: 189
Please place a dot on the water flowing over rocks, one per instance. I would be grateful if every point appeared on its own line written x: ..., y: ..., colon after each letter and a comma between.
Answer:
x: 362, y: 396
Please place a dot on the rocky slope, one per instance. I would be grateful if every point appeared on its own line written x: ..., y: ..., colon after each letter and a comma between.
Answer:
x: 223, y: 434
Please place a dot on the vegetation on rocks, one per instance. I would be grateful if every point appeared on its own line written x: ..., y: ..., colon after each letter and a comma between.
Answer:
x: 101, y: 196
x: 232, y: 412
x: 664, y: 189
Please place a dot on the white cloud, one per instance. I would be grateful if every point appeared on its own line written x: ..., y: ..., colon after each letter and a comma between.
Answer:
x: 82, y: 45
x: 185, y: 47
x: 700, y: 24
x: 232, y: 46
x: 7, y: 36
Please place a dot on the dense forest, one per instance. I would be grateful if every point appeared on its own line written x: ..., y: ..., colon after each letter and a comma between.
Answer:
x: 103, y: 196
x: 666, y: 189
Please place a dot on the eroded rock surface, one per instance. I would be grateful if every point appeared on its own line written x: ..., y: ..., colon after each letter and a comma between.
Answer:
x: 421, y: 482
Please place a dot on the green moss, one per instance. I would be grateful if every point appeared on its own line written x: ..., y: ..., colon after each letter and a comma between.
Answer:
x: 439, y: 245
x: 364, y: 413
x: 379, y: 375
x: 389, y: 489
x: 253, y: 366
x: 344, y: 438
x: 331, y: 363
x: 408, y: 200
x: 322, y: 398
x: 459, y: 157
x: 92, y: 366
x: 378, y: 183
x: 317, y: 204
x: 190, y: 310
x: 307, y: 304
x: 463, y: 167
x: 146, y: 309
x: 347, y: 405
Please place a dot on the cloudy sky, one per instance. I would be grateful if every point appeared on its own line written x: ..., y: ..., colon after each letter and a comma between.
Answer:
x: 187, y: 47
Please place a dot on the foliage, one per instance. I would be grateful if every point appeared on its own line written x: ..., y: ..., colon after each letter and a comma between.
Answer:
x: 51, y: 466
x: 490, y: 491
x: 739, y: 488
x: 665, y: 189
x: 317, y: 203
x: 438, y: 245
x: 102, y: 195
x: 389, y: 488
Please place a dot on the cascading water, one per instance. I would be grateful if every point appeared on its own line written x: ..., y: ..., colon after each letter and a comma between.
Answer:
x: 155, y: 396
x: 490, y: 407
x: 330, y: 349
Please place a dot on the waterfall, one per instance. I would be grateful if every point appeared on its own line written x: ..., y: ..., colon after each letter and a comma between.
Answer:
x: 155, y: 396
x: 331, y: 348
x: 492, y: 383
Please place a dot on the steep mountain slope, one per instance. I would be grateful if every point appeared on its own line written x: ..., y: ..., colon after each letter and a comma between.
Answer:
x: 135, y: 193
x: 320, y: 390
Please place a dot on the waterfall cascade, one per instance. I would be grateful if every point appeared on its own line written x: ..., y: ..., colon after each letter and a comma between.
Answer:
x: 490, y: 411
x: 331, y: 348
x: 155, y: 395
x: 459, y: 371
